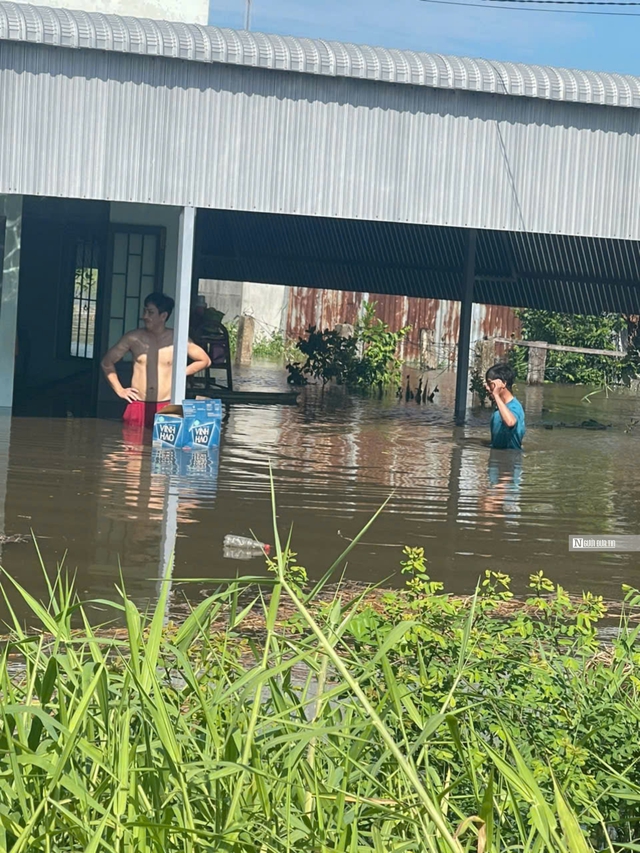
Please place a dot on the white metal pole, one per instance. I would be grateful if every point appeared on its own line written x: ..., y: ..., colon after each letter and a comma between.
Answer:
x: 186, y: 237
x: 11, y: 212
x: 247, y: 17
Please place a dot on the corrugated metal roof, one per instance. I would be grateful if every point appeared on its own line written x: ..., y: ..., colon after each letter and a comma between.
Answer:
x: 70, y: 29
x: 124, y: 127
x: 579, y: 275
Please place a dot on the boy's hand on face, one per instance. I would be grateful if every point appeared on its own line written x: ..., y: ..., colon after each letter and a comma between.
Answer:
x: 495, y: 387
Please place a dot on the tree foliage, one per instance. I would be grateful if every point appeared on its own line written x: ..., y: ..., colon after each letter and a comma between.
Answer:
x: 601, y: 331
x: 366, y: 361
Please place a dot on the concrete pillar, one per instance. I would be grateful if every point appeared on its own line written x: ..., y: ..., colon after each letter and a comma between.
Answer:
x: 537, y: 363
x: 246, y: 337
x: 533, y: 400
x: 10, y: 230
x: 186, y: 236
x: 464, y: 336
x: 485, y: 356
x: 344, y: 330
x: 428, y: 354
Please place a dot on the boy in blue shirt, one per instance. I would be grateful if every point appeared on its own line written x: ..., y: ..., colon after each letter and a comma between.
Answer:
x: 507, y: 422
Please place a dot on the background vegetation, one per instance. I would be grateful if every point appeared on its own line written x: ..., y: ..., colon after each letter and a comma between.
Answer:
x: 367, y: 361
x: 412, y: 721
x: 596, y: 332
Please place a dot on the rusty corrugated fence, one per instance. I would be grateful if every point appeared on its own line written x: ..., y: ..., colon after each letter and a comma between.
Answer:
x: 434, y: 322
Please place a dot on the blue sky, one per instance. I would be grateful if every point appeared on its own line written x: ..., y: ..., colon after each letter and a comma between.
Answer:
x: 576, y: 41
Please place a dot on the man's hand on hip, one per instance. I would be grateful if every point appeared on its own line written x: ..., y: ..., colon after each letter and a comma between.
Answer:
x: 131, y: 395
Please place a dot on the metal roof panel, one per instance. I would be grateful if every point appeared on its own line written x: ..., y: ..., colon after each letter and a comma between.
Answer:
x: 94, y: 31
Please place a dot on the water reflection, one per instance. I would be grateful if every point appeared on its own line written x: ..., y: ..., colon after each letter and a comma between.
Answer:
x: 504, y: 475
x: 5, y: 438
x: 114, y: 506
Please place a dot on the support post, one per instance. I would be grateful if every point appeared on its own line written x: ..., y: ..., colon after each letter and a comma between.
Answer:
x: 485, y: 355
x: 246, y: 338
x: 537, y: 363
x: 10, y: 232
x: 186, y: 236
x: 464, y: 335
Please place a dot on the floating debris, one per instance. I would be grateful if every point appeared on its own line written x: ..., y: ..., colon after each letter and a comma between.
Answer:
x: 14, y: 539
x: 588, y: 424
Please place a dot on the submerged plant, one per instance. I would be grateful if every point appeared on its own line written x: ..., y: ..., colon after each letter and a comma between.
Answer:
x: 477, y: 385
x: 367, y: 361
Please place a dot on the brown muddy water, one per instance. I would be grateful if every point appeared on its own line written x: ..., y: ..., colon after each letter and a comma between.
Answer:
x: 104, y: 506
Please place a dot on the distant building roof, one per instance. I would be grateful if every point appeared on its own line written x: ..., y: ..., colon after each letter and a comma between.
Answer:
x: 65, y: 28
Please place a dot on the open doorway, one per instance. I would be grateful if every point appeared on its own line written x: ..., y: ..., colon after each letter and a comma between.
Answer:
x: 61, y: 292
x: 83, y: 280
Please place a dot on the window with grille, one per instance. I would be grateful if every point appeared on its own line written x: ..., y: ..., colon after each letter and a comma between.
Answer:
x: 85, y: 298
x: 134, y: 277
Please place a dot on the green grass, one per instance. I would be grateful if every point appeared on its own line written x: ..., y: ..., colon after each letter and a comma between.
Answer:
x: 274, y: 347
x: 430, y: 724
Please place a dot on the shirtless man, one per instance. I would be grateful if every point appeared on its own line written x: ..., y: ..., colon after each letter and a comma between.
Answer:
x: 152, y: 350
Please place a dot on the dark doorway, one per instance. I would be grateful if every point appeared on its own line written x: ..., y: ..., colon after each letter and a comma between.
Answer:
x: 61, y: 299
x: 82, y: 285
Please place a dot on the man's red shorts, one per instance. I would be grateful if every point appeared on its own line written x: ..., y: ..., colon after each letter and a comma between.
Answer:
x: 137, y: 417
x: 141, y: 414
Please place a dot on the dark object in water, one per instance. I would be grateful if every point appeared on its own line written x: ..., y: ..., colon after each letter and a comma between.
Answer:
x: 435, y: 391
x: 408, y: 394
x: 419, y: 391
x: 588, y: 424
x: 266, y: 398
x: 13, y: 539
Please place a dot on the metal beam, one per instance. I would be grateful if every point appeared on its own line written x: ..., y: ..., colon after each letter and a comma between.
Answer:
x: 246, y: 265
x: 464, y: 335
x: 614, y: 353
x: 183, y: 303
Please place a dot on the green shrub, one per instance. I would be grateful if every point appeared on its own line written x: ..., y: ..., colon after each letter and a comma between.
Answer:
x: 577, y: 330
x: 368, y: 361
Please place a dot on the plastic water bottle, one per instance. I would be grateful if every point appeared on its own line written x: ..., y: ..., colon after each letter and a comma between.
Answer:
x: 243, y: 544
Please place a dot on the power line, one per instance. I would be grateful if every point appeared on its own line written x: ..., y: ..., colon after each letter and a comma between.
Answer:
x: 514, y: 8
x: 575, y: 2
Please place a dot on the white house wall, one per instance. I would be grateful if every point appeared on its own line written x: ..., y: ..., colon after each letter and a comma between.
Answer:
x: 92, y: 124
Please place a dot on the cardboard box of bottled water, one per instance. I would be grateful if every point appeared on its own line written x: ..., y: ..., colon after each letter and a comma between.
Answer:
x: 195, y: 425
x: 168, y: 427
x: 169, y: 462
x: 202, y: 424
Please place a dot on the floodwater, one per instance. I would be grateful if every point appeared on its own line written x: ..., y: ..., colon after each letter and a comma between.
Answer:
x: 105, y: 506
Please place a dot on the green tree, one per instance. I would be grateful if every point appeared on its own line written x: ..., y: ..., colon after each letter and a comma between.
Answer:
x: 368, y: 361
x: 577, y: 330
